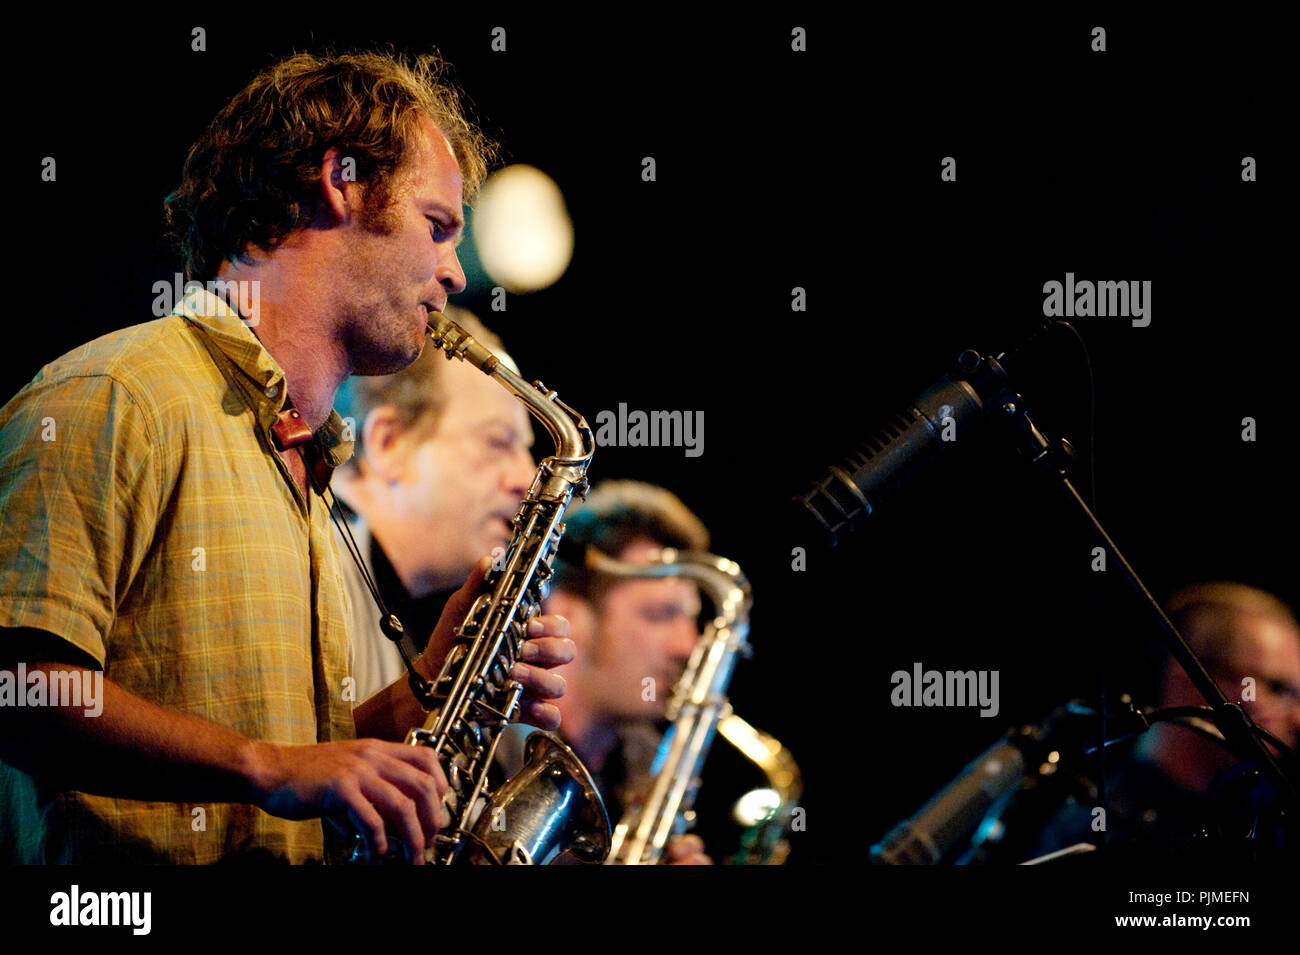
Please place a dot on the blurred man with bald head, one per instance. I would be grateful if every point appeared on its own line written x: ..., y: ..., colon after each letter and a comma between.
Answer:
x: 1249, y: 642
x: 1167, y: 799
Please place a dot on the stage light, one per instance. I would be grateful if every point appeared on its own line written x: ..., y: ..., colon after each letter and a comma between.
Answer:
x: 756, y: 806
x: 522, y: 230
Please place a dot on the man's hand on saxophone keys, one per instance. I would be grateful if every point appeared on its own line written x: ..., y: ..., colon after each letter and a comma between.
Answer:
x: 369, y: 781
x: 548, y: 646
x: 391, y: 712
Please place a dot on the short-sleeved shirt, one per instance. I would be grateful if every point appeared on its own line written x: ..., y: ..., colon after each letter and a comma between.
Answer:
x: 146, y: 519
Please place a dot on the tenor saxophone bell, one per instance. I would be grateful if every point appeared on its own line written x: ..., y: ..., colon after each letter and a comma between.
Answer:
x: 549, y: 807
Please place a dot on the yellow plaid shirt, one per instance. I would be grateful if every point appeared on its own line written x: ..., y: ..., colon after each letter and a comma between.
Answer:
x: 146, y: 519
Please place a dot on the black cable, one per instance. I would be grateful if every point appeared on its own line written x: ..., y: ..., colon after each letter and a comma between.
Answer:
x: 1092, y: 410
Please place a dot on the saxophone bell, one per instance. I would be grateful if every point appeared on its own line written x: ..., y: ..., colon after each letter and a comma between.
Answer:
x: 549, y: 807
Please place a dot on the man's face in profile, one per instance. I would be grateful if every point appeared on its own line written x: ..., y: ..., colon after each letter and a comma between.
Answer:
x: 400, y: 260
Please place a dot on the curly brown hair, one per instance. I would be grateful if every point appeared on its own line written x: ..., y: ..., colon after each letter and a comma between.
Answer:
x: 252, y: 176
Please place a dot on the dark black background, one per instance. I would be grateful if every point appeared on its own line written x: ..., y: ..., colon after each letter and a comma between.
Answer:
x: 820, y: 170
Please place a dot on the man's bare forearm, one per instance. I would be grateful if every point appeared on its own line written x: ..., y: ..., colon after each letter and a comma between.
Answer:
x: 390, y: 714
x: 133, y: 749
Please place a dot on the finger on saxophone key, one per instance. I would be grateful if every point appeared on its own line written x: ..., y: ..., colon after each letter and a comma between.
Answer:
x: 545, y: 716
x: 539, y: 683
x: 548, y: 625
x: 549, y: 652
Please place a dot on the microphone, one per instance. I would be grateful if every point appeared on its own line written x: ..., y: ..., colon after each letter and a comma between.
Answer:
x: 910, y: 441
x: 950, y: 409
x: 948, y: 820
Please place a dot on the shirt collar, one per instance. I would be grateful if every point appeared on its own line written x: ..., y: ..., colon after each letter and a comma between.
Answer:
x: 261, y: 379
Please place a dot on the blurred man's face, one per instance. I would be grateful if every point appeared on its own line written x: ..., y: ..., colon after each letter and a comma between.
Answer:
x: 462, y: 485
x: 1269, y: 651
x: 644, y: 633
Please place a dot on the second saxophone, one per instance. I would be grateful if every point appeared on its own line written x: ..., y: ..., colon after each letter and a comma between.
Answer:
x: 697, y: 710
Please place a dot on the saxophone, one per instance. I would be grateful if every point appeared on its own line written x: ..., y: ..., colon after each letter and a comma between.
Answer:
x: 697, y: 709
x: 550, y: 806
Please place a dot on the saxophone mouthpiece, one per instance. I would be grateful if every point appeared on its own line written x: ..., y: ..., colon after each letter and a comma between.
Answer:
x: 458, y: 343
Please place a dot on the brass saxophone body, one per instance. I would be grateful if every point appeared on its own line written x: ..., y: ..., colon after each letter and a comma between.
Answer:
x: 697, y: 710
x: 551, y: 806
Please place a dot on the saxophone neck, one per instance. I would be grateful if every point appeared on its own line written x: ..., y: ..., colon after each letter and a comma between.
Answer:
x: 722, y: 580
x: 574, y: 441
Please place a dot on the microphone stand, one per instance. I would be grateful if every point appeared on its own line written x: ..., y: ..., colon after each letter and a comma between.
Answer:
x: 1053, y: 457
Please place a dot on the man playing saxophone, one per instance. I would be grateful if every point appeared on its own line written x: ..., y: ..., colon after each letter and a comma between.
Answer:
x: 163, y: 531
x: 633, y: 637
